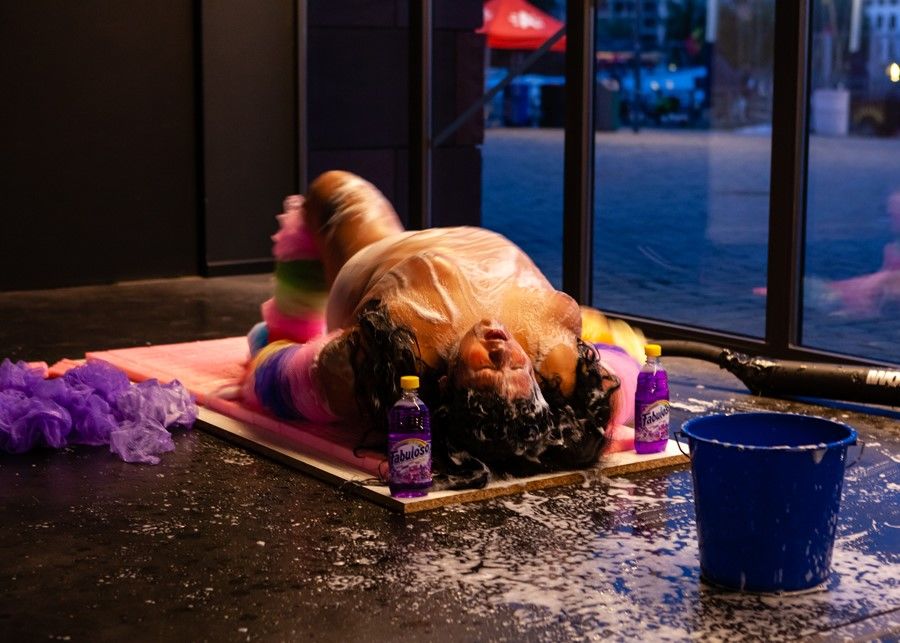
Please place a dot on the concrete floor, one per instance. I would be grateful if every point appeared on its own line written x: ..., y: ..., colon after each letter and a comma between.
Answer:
x: 219, y: 544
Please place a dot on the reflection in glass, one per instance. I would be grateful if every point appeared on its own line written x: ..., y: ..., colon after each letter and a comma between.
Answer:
x: 852, y: 272
x: 684, y: 107
x: 522, y: 153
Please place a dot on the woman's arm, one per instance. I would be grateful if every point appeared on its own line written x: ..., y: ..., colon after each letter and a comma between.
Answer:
x: 336, y: 376
x: 551, y: 326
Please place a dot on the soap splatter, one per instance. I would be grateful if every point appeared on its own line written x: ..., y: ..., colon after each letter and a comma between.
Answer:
x: 622, y: 563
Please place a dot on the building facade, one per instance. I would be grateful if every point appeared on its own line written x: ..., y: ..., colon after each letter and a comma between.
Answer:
x: 883, y: 21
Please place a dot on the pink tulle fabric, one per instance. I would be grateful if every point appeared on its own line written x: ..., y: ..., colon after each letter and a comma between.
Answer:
x: 293, y: 240
x: 298, y: 329
x: 626, y: 368
x: 296, y: 374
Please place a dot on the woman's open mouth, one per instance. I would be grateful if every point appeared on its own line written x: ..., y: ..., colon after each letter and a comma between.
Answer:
x: 498, y: 334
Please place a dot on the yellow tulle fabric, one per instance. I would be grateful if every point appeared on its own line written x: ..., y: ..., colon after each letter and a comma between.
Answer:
x: 598, y: 328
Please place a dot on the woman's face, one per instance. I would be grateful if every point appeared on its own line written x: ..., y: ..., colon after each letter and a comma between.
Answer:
x: 491, y: 359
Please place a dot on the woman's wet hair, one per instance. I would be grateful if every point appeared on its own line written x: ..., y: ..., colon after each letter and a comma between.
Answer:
x: 475, y: 430
x: 476, y: 425
x: 381, y: 351
x: 546, y: 432
x: 581, y: 418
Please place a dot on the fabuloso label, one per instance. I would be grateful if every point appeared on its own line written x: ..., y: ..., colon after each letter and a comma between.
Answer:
x: 410, y: 461
x: 883, y: 378
x: 653, y: 423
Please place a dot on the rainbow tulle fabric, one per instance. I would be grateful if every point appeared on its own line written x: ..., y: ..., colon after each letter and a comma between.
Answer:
x: 281, y: 379
x: 295, y: 312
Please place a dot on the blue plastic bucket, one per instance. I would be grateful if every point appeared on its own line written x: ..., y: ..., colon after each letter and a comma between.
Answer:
x: 516, y: 108
x: 767, y: 489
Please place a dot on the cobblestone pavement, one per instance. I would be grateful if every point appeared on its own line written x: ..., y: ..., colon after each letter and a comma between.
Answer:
x: 682, y: 224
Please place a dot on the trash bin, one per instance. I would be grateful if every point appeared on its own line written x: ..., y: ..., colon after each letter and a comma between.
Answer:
x: 606, y: 108
x: 831, y: 112
x: 493, y: 111
x: 553, y: 105
x: 516, y: 104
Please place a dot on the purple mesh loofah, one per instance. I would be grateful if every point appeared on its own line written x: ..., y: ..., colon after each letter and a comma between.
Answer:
x: 18, y: 376
x: 168, y: 404
x: 47, y: 423
x: 92, y: 417
x: 27, y: 422
x: 91, y: 404
x: 103, y: 378
x: 139, y: 441
x: 92, y: 422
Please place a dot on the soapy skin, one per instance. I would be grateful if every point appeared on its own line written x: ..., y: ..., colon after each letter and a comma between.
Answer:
x: 447, y: 285
x: 500, y: 351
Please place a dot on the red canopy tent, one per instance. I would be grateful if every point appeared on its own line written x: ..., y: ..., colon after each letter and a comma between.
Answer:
x: 516, y: 24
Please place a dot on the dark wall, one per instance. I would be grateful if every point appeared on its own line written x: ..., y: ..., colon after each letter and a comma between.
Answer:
x: 145, y: 139
x: 249, y: 127
x: 97, y: 141
x: 358, y: 98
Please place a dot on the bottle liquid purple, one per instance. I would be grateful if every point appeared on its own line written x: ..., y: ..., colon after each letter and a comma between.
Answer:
x: 651, y: 404
x: 409, y: 443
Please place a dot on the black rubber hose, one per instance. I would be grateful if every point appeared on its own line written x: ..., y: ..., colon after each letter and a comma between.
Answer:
x: 785, y: 378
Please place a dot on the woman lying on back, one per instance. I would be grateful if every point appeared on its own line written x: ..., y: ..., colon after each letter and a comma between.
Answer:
x: 511, y: 384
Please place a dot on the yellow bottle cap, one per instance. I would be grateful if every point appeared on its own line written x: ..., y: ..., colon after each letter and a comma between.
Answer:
x: 409, y: 381
x: 652, y: 350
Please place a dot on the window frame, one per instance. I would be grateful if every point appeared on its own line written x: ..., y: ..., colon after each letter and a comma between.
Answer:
x: 787, y: 195
x: 788, y: 189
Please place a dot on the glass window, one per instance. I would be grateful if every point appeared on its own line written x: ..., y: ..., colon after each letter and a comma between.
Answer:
x: 683, y: 150
x: 851, y: 298
x: 522, y: 154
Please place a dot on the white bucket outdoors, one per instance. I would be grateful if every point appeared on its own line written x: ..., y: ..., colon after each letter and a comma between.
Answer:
x: 831, y: 112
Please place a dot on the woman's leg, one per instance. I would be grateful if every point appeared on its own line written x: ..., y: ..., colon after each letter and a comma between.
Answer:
x: 341, y: 214
x: 345, y: 214
x: 296, y: 310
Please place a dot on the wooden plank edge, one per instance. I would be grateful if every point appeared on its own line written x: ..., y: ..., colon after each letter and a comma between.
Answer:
x: 345, y: 477
x: 327, y: 469
x: 275, y: 447
x: 512, y: 486
x: 650, y: 464
x: 496, y: 489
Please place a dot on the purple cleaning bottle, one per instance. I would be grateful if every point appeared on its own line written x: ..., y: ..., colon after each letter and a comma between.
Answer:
x: 409, y: 443
x: 651, y: 404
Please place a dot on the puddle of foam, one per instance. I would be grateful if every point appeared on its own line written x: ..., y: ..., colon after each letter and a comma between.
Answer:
x: 690, y: 408
x: 612, y: 560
